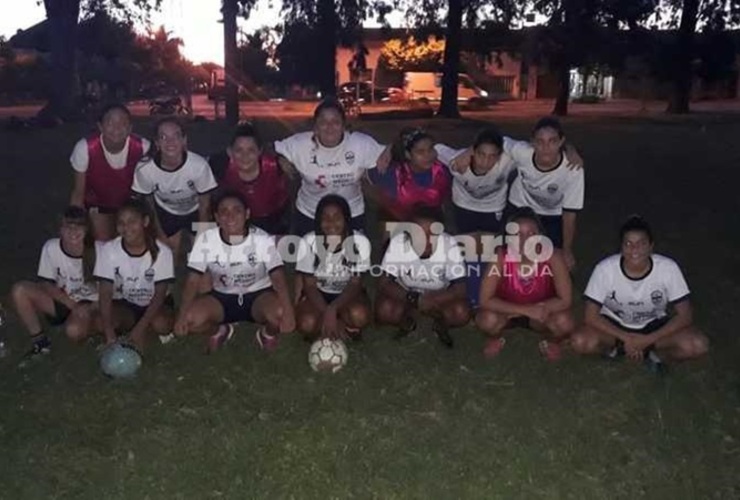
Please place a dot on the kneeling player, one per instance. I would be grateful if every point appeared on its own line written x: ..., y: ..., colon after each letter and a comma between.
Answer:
x: 135, y: 271
x: 629, y: 297
x: 423, y: 271
x: 522, y: 284
x: 248, y: 280
x: 332, y: 260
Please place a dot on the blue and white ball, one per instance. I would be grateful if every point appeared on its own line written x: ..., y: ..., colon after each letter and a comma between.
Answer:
x: 120, y: 361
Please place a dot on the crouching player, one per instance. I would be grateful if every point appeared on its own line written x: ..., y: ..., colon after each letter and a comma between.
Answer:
x: 423, y: 272
x: 638, y: 305
x: 248, y: 280
x: 519, y: 286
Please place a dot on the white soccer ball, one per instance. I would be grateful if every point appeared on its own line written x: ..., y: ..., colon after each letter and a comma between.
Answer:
x: 327, y: 355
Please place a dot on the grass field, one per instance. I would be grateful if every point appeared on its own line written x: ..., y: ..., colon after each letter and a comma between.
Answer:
x: 408, y: 419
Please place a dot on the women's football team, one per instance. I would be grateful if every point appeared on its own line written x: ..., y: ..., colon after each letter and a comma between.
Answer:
x: 135, y: 204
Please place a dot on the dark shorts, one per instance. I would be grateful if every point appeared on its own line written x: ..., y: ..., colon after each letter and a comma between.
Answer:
x: 237, y: 308
x: 138, y: 311
x: 60, y: 315
x: 651, y: 327
x: 468, y: 221
x: 94, y: 209
x: 303, y: 224
x: 552, y: 225
x: 172, y: 224
x: 275, y: 224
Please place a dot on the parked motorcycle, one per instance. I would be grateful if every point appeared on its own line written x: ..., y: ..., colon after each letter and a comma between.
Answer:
x: 170, y: 105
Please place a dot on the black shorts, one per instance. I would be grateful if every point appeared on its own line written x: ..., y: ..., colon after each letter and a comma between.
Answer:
x: 60, y: 316
x: 172, y: 224
x: 468, y: 221
x: 551, y: 224
x: 138, y: 311
x: 651, y: 327
x: 237, y: 308
x: 303, y: 224
x: 274, y: 224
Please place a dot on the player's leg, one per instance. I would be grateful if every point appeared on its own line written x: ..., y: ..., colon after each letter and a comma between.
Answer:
x: 555, y: 330
x: 492, y: 324
x: 308, y: 321
x: 30, y: 301
x: 688, y: 343
x: 356, y: 316
x: 267, y: 311
x: 81, y: 322
x: 588, y: 340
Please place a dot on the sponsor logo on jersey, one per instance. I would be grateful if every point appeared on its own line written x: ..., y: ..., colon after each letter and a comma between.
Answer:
x: 657, y: 297
x: 349, y: 157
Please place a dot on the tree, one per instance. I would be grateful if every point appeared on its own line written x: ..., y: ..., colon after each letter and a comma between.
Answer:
x: 412, y: 55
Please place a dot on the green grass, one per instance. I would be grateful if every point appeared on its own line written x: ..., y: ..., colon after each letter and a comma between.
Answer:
x: 409, y: 419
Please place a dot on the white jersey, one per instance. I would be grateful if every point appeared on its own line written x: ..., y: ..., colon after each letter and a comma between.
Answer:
x: 478, y: 193
x: 134, y: 276
x: 238, y: 268
x: 338, y: 170
x: 175, y: 191
x: 444, y: 266
x: 66, y: 272
x: 333, y: 271
x: 546, y: 192
x: 636, y: 302
x: 80, y: 158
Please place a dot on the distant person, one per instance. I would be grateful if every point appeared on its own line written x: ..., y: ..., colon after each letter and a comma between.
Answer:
x: 249, y: 283
x: 66, y: 294
x: 104, y: 166
x: 254, y: 173
x: 333, y: 259
x: 519, y: 289
x: 423, y: 274
x: 134, y: 272
x: 638, y: 305
x: 176, y: 182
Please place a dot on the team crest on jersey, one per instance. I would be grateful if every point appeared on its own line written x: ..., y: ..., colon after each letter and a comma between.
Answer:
x: 349, y: 157
x: 252, y: 259
x: 552, y: 188
x: 149, y: 275
x: 191, y: 185
x: 656, y: 297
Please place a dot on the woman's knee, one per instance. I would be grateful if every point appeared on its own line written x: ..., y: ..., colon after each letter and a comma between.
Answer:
x: 388, y: 312
x: 457, y: 313
x: 307, y: 323
x: 584, y: 341
x: 488, y: 322
x: 358, y: 316
x: 562, y: 324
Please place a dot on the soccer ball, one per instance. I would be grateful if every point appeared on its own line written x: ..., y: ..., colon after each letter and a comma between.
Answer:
x: 120, y: 361
x: 327, y: 355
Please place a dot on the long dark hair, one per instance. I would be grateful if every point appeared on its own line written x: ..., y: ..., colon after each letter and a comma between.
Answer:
x: 78, y: 217
x: 526, y: 213
x: 154, y: 153
x: 141, y: 207
x: 335, y: 200
x: 405, y: 142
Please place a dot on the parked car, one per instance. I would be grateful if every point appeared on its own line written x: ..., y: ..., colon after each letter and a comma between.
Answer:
x: 365, y: 90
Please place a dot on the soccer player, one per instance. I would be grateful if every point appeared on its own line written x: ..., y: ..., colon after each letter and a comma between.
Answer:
x: 330, y: 160
x: 176, y: 182
x: 134, y: 272
x: 332, y: 260
x: 104, y: 166
x: 638, y: 305
x: 67, y: 293
x: 529, y: 285
x: 249, y: 283
x: 414, y: 178
x: 245, y: 168
x: 423, y: 272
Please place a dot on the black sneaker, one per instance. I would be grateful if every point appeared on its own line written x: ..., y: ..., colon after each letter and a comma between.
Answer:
x: 407, y: 326
x: 443, y: 334
x: 653, y: 363
x: 41, y: 348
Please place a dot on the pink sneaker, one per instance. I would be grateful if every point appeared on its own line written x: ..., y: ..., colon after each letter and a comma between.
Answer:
x: 493, y: 347
x: 265, y: 341
x: 220, y: 338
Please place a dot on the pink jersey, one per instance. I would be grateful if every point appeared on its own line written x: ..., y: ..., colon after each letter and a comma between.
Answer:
x: 523, y: 283
x: 105, y: 186
x: 265, y: 195
x: 403, y: 188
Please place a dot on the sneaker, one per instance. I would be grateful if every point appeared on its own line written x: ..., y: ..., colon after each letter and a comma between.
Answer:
x: 493, y: 347
x: 616, y: 352
x: 265, y: 341
x: 443, y: 334
x: 354, y: 334
x: 653, y: 363
x: 41, y: 348
x: 407, y: 326
x: 220, y: 338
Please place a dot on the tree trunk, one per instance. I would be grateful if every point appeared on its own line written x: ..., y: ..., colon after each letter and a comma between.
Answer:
x: 682, y: 73
x: 328, y: 27
x: 231, y: 73
x: 451, y: 66
x: 63, y: 94
x: 561, y: 101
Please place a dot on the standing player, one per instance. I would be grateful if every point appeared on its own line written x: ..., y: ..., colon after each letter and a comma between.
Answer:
x: 177, y: 183
x: 414, y: 178
x: 248, y: 280
x: 104, y: 166
x: 332, y: 260
x: 245, y: 168
x: 423, y: 271
x: 67, y: 294
x: 330, y: 160
x: 134, y: 272
x: 638, y: 305
x: 524, y: 283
